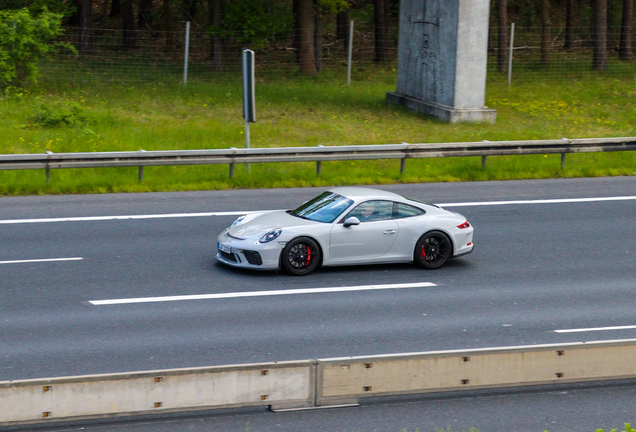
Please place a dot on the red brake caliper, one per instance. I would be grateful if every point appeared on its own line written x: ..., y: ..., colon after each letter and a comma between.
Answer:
x: 308, y: 255
x: 423, y: 252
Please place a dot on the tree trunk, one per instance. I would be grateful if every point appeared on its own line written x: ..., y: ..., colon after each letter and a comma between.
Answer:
x: 502, y: 22
x: 167, y: 25
x: 625, y: 48
x: 342, y: 28
x: 115, y: 8
x: 145, y: 14
x: 103, y: 15
x: 214, y: 8
x: 599, y: 56
x: 569, y: 25
x: 128, y: 23
x: 318, y: 35
x: 305, y: 22
x: 86, y: 21
x: 545, y: 32
x: 380, y: 30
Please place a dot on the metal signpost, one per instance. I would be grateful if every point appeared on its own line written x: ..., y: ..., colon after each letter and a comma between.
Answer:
x: 249, y: 111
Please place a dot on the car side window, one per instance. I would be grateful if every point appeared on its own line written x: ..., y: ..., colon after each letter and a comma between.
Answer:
x: 401, y: 210
x: 372, y: 211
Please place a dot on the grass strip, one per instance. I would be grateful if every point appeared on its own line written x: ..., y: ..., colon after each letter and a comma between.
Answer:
x: 293, y: 110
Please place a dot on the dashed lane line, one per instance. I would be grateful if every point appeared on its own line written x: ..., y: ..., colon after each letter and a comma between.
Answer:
x: 41, y: 260
x: 260, y: 293
x: 593, y: 329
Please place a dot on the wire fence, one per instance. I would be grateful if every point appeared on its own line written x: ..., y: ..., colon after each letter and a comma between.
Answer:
x: 146, y: 56
x: 564, y: 56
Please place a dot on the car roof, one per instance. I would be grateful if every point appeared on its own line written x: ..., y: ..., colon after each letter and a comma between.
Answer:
x: 358, y: 193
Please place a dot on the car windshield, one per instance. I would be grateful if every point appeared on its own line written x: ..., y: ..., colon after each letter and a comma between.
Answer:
x: 326, y: 207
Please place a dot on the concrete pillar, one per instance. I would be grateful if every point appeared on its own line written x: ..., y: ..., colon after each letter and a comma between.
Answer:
x: 442, y: 57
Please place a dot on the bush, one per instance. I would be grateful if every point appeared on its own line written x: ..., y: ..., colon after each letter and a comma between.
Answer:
x: 24, y: 40
x: 58, y: 114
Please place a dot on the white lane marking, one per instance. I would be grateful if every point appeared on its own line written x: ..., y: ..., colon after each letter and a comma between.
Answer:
x: 238, y: 213
x: 41, y: 260
x: 125, y: 217
x: 595, y: 329
x: 546, y: 201
x: 260, y: 293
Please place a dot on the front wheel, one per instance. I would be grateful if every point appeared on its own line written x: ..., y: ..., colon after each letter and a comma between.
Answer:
x: 432, y: 250
x: 300, y: 256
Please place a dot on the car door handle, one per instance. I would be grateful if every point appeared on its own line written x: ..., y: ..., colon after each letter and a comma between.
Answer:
x: 389, y: 232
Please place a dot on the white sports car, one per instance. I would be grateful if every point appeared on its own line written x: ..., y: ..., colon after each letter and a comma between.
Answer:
x: 345, y: 226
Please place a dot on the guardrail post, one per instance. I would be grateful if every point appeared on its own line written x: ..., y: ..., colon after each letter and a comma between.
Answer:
x: 319, y: 164
x: 48, y: 168
x: 483, y: 158
x: 403, y: 161
x: 563, y: 156
x: 232, y: 165
x: 141, y: 169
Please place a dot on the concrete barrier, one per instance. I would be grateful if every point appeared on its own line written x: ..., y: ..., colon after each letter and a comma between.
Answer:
x: 345, y: 380
x: 283, y: 384
x: 312, y: 383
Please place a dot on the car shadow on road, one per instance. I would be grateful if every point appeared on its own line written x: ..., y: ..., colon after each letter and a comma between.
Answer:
x: 370, y: 269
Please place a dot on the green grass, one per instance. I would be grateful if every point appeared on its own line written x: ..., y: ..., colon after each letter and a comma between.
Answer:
x: 297, y: 111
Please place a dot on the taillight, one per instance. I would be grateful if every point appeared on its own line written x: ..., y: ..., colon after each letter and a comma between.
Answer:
x: 464, y: 225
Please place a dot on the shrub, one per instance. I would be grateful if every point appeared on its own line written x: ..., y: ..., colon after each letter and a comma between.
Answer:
x: 25, y: 39
x: 59, y: 114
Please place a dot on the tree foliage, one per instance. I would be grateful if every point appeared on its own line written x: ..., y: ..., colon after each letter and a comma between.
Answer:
x: 36, y: 7
x: 254, y: 22
x: 25, y: 39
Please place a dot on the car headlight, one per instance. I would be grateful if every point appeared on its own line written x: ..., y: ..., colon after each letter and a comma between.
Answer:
x: 238, y: 221
x: 272, y: 235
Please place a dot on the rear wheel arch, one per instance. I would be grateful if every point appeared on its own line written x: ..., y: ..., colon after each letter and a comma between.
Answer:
x: 439, y: 245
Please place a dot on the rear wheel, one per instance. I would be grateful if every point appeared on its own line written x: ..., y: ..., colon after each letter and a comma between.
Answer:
x: 300, y: 256
x: 432, y: 250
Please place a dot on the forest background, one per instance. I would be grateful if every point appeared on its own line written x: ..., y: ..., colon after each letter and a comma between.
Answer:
x: 118, y: 84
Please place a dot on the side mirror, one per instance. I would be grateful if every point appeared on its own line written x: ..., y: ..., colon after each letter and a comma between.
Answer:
x: 351, y: 221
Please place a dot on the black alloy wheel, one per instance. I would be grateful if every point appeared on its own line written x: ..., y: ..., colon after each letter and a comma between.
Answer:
x: 432, y: 250
x: 300, y: 256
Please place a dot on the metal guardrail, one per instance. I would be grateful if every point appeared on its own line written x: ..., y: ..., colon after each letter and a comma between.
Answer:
x: 312, y: 383
x: 48, y: 161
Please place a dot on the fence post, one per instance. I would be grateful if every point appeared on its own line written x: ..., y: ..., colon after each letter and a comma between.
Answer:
x: 350, y: 54
x: 187, y: 53
x: 512, y: 43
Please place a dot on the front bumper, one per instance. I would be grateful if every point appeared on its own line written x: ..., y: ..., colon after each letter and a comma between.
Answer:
x: 249, y: 253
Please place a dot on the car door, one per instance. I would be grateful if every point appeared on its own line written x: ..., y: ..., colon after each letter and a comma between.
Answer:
x: 368, y: 241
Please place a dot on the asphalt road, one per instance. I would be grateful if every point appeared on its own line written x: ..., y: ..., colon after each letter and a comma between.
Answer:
x: 537, y: 268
